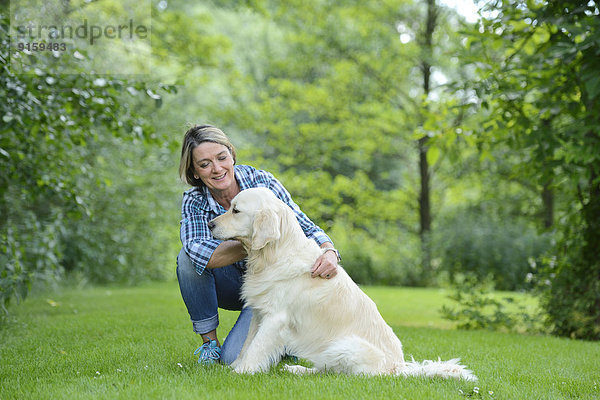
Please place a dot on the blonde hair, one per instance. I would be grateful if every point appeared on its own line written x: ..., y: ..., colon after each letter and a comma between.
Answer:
x: 193, y: 138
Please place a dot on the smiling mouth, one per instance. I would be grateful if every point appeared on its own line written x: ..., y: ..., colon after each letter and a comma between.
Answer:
x: 220, y: 178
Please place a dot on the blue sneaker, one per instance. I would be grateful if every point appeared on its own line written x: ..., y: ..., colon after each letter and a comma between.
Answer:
x: 290, y: 359
x: 209, y: 352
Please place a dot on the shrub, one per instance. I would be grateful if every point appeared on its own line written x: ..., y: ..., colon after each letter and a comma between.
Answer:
x: 482, y: 246
x: 130, y: 232
x: 479, y: 308
x: 569, y: 286
x: 389, y: 258
x: 49, y: 185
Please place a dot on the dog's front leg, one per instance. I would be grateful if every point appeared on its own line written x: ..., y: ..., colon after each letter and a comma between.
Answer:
x: 266, y: 348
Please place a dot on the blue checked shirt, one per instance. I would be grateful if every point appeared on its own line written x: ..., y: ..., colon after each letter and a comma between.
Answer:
x: 199, y: 207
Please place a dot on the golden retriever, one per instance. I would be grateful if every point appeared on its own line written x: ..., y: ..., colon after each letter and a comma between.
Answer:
x: 330, y: 322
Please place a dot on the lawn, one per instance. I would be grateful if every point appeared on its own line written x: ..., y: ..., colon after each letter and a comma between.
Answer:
x: 136, y: 343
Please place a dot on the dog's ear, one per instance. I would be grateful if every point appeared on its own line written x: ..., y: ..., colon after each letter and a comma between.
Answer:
x: 265, y: 228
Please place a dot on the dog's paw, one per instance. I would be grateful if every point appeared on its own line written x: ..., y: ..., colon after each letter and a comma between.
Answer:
x: 243, y: 368
x: 299, y: 370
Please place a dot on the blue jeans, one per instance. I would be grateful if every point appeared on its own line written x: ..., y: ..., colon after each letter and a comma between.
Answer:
x: 204, y: 294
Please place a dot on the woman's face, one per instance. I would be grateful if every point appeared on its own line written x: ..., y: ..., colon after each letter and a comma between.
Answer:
x: 213, y: 164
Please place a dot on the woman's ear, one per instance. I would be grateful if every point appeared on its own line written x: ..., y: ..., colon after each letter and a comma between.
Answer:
x: 265, y: 228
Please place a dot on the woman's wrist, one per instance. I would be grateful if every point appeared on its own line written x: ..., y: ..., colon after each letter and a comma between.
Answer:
x: 331, y: 249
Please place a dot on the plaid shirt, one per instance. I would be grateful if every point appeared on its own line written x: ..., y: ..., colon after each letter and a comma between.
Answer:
x: 199, y: 207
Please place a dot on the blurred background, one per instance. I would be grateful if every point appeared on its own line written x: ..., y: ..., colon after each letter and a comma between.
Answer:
x: 435, y: 142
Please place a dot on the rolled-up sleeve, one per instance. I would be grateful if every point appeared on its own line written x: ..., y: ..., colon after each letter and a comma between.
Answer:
x: 196, y: 238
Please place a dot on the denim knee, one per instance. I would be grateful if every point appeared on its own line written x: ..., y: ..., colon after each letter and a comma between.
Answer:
x: 204, y: 293
x: 184, y: 263
x: 199, y: 294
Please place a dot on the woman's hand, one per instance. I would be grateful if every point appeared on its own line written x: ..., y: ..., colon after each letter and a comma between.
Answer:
x: 326, y: 265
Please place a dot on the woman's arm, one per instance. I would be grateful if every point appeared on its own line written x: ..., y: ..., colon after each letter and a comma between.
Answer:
x: 203, y: 249
x: 227, y: 253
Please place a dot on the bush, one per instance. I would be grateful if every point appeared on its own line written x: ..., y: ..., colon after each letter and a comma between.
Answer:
x: 130, y: 232
x: 29, y: 249
x: 50, y: 189
x: 483, y: 246
x: 479, y: 308
x: 569, y: 286
x: 390, y: 258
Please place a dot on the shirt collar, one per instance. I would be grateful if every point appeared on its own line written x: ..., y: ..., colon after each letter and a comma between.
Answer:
x: 211, y: 202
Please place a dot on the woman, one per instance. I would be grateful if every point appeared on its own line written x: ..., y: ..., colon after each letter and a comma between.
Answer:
x: 210, y: 271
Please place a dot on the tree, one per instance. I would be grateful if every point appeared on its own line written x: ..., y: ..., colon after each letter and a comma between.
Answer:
x: 319, y: 115
x: 544, y: 88
x: 54, y: 128
x: 424, y: 168
x: 350, y: 95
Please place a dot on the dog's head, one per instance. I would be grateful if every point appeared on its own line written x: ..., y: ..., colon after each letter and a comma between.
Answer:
x: 254, y: 218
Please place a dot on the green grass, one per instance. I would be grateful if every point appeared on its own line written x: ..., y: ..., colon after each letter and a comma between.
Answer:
x: 136, y: 343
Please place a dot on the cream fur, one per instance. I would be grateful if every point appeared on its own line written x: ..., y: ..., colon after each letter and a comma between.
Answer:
x: 330, y: 322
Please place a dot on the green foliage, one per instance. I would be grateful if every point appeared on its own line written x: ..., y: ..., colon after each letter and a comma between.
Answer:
x: 536, y: 61
x: 568, y: 288
x: 53, y: 125
x: 477, y: 244
x: 342, y: 146
x: 368, y: 259
x: 30, y: 248
x: 334, y: 111
x: 128, y: 235
x: 181, y: 43
x: 362, y: 222
x: 479, y: 308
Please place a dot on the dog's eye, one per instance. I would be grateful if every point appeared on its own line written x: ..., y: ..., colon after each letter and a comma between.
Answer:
x: 235, y: 211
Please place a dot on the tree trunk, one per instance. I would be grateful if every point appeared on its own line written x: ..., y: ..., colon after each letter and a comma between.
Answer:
x: 547, y: 191
x: 591, y: 236
x: 424, y: 170
x: 548, y: 205
x: 425, y: 209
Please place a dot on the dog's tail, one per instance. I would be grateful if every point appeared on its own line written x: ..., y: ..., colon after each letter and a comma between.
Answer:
x: 439, y: 368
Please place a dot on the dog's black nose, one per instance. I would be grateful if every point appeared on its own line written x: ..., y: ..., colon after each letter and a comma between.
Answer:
x: 211, y: 225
